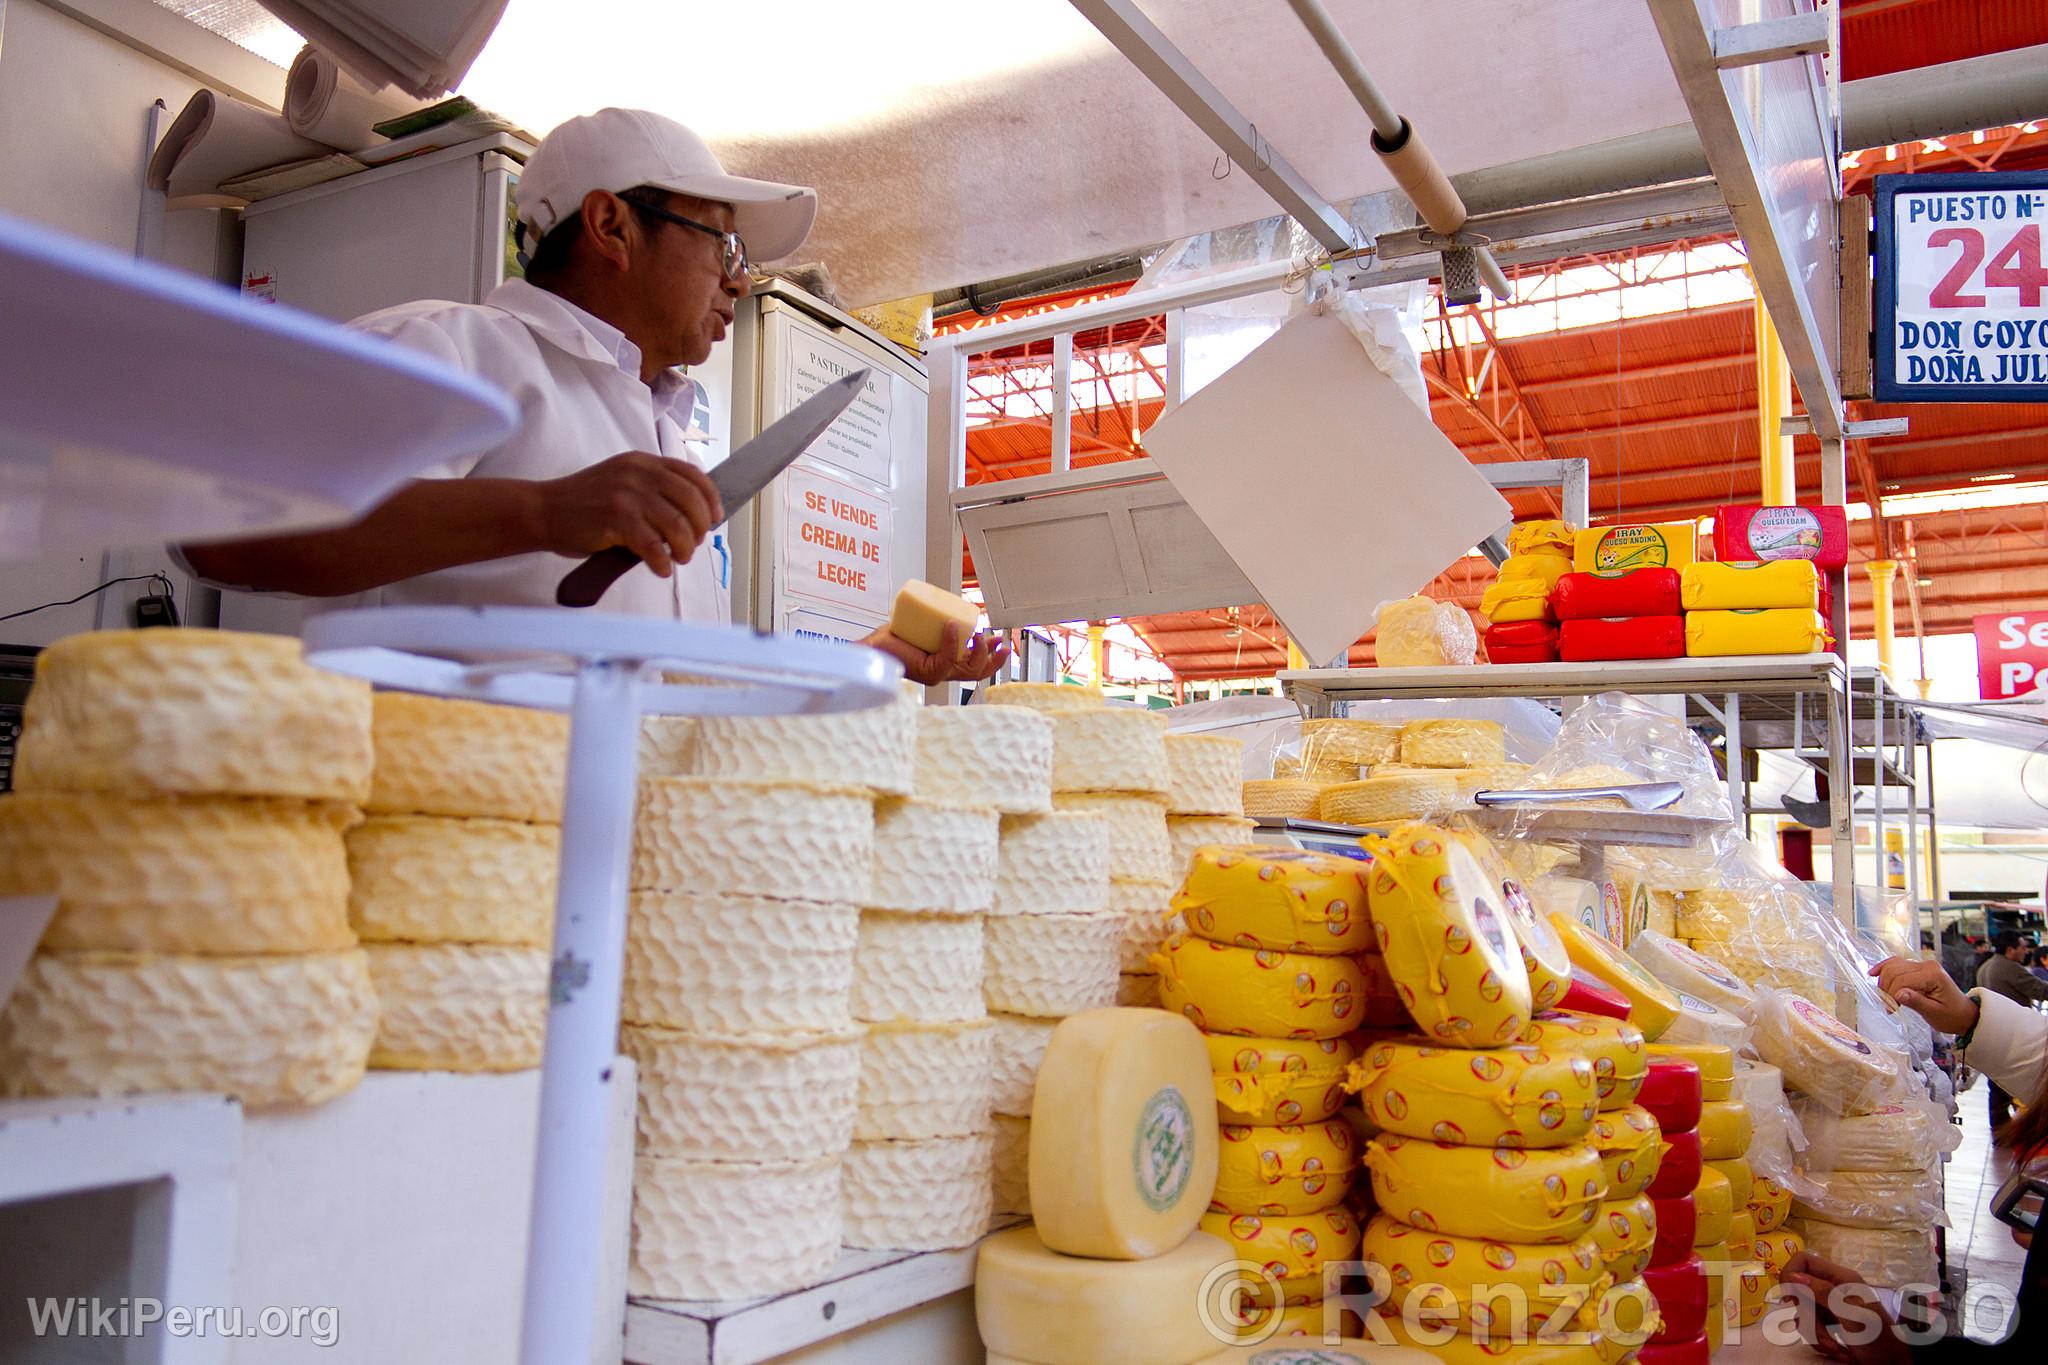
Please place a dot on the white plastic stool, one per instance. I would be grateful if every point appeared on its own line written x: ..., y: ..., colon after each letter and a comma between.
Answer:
x: 603, y: 669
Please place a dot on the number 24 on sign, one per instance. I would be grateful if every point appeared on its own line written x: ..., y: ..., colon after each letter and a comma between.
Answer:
x: 2016, y: 265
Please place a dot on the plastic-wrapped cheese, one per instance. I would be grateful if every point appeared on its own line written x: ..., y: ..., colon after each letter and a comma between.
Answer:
x: 1291, y: 1168
x: 1690, y: 972
x: 1625, y: 1230
x: 1713, y: 1202
x: 1505, y: 1097
x: 1278, y: 1080
x: 1282, y: 798
x: 1205, y: 775
x: 1614, y: 1046
x: 1361, y: 743
x: 1286, y: 899
x: 1260, y: 993
x: 1125, y: 1105
x: 1724, y: 1130
x: 1502, y: 1194
x: 1652, y: 1004
x: 1544, y: 956
x: 1822, y: 1057
x: 1287, y: 1246
x: 1873, y: 1199
x: 1892, y: 1137
x: 1699, y: 1021
x: 1034, y: 1304
x: 1386, y: 799
x: 1439, y: 921
x: 1453, y: 743
x: 1890, y: 1258
x: 1630, y: 1147
x: 1491, y: 1282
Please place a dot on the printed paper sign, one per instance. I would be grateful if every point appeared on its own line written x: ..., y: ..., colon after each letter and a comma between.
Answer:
x: 836, y: 542
x: 859, y: 441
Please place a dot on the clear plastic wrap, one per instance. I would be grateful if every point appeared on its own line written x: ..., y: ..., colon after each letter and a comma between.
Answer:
x: 1911, y: 1136
x: 1416, y: 632
x: 1889, y: 1258
x: 1874, y: 1199
x: 1777, y: 1143
x: 1837, y: 1069
x: 1693, y: 973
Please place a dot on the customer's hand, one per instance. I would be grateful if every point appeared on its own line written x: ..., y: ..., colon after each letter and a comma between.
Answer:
x: 1845, y: 1322
x: 1928, y: 991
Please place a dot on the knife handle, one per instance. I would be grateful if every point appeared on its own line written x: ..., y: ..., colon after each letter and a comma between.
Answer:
x: 584, y: 584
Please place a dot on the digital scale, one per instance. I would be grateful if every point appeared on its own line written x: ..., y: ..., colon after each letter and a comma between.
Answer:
x: 1315, y: 836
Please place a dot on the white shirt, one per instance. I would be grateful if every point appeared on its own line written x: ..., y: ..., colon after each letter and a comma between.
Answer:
x: 576, y: 381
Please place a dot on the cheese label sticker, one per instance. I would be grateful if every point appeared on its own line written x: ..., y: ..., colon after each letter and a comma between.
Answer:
x: 1295, y: 1356
x: 1696, y: 1005
x: 1163, y: 1151
x: 1784, y: 533
x: 1631, y: 547
x: 1704, y: 965
x: 1834, y: 1028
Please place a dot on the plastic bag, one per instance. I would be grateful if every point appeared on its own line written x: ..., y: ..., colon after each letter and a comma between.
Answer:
x: 1837, y: 1069
x: 1777, y: 1143
x: 1415, y: 632
x: 1889, y: 1258
x: 1874, y: 1199
x: 1911, y: 1135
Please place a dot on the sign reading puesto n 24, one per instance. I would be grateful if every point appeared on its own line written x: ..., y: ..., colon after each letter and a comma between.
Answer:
x: 1962, y: 288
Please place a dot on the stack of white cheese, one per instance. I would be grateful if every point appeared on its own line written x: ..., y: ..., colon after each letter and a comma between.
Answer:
x: 753, y: 853
x: 452, y: 880
x: 184, y: 795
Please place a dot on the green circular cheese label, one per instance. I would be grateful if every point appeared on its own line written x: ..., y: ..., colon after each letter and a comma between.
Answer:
x: 1297, y: 1355
x: 1163, y: 1150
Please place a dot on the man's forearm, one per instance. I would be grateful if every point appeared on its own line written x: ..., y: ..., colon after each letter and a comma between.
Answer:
x: 427, y: 525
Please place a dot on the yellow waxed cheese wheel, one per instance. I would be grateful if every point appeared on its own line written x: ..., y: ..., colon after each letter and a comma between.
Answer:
x: 1691, y: 972
x: 1614, y: 1046
x: 1741, y: 1230
x: 1625, y: 1230
x: 1653, y: 1004
x: 1033, y: 1304
x: 1724, y: 1130
x: 1631, y: 1148
x: 1438, y: 917
x: 1287, y: 899
x: 1716, y: 1062
x: 1284, y: 1339
x: 1778, y: 1248
x: 1754, y: 1284
x: 1353, y: 1348
x: 1123, y: 1150
x: 1453, y: 743
x: 1713, y: 1202
x: 1500, y: 1193
x: 1547, y: 537
x: 1282, y: 798
x: 1516, y: 599
x: 1259, y: 993
x: 1539, y: 568
x: 1505, y: 1284
x: 1544, y: 956
x: 1503, y: 1097
x: 1278, y: 1080
x: 1578, y: 1348
x: 1294, y: 1168
x: 1259, y: 1292
x: 1287, y: 1246
x: 1741, y: 1179
x: 1770, y: 1204
x: 1719, y: 1291
x: 1717, y: 1090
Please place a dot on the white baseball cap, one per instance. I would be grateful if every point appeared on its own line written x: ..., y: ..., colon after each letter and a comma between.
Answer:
x: 618, y: 149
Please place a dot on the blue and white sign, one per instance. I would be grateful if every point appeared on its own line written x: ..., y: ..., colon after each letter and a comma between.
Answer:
x: 1961, y: 307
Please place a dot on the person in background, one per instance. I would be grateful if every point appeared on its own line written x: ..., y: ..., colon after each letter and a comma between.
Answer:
x: 2037, y: 967
x: 1956, y: 957
x: 638, y: 255
x: 2005, y: 973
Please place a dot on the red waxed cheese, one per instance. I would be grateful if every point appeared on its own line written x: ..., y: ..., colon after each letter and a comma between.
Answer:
x: 1820, y: 534
x: 1622, y: 637
x: 1694, y: 1352
x: 1635, y: 592
x: 1679, y: 1173
x: 1671, y: 1092
x: 1589, y: 995
x: 1678, y: 1222
x: 1681, y: 1292
x: 1522, y: 642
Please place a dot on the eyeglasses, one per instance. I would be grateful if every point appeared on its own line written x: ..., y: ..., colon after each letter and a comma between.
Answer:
x: 734, y: 260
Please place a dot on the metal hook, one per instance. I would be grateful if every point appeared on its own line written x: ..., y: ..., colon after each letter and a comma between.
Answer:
x: 1224, y: 173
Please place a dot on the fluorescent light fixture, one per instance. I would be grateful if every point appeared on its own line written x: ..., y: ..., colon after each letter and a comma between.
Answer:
x: 1966, y: 499
x: 1993, y: 478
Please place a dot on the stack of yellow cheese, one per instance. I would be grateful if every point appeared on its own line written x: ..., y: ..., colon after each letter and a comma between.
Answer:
x: 453, y: 880
x: 184, y: 794
x: 1269, y: 968
x: 744, y: 929
x: 1113, y: 1270
x: 1204, y: 805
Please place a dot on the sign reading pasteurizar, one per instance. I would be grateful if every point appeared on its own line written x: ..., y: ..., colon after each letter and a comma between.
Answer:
x: 2012, y: 653
x: 1961, y: 302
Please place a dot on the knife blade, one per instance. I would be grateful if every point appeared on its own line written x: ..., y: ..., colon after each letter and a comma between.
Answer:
x: 738, y: 479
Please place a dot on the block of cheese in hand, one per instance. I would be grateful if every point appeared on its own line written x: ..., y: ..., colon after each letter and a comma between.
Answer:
x: 924, y: 610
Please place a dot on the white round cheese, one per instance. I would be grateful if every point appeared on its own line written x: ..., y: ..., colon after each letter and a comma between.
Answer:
x: 1138, y: 846
x: 875, y: 748
x: 918, y: 968
x: 1011, y: 1165
x: 1698, y: 1021
x: 1893, y: 1137
x: 1147, y: 910
x: 714, y: 836
x: 437, y: 879
x: 1691, y: 972
x: 998, y: 756
x: 934, y: 857
x: 754, y: 1097
x: 926, y: 1195
x: 1823, y: 1058
x: 1048, y: 966
x: 1282, y: 798
x: 1046, y: 697
x: 1052, y: 864
x: 458, y: 1006
x: 1873, y: 1199
x: 728, y: 1230
x: 738, y: 964
x: 1389, y: 799
x: 924, y: 1081
x: 1204, y: 775
x: 1016, y: 1047
x: 438, y: 756
x: 1126, y: 1113
x: 1109, y: 749
x: 180, y: 874
x: 1335, y: 740
x: 1034, y: 1304
x: 668, y: 746
x: 193, y: 713
x: 1187, y: 833
x: 1453, y: 743
x: 1889, y: 1258
x: 280, y: 1029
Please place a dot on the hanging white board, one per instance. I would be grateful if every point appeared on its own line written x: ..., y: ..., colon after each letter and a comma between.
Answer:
x: 1324, y: 481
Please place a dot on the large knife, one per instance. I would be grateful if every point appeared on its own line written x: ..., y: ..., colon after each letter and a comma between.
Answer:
x: 744, y: 473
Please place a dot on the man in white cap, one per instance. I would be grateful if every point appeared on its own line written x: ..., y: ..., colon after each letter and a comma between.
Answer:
x: 638, y: 245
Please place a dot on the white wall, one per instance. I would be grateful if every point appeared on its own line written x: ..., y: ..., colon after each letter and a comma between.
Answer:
x: 74, y: 120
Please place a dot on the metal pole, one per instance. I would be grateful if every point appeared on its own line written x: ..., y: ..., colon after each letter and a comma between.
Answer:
x: 1933, y: 840
x: 1842, y: 840
x: 566, y: 1253
x: 1062, y: 402
x: 1878, y: 708
x: 1732, y: 719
